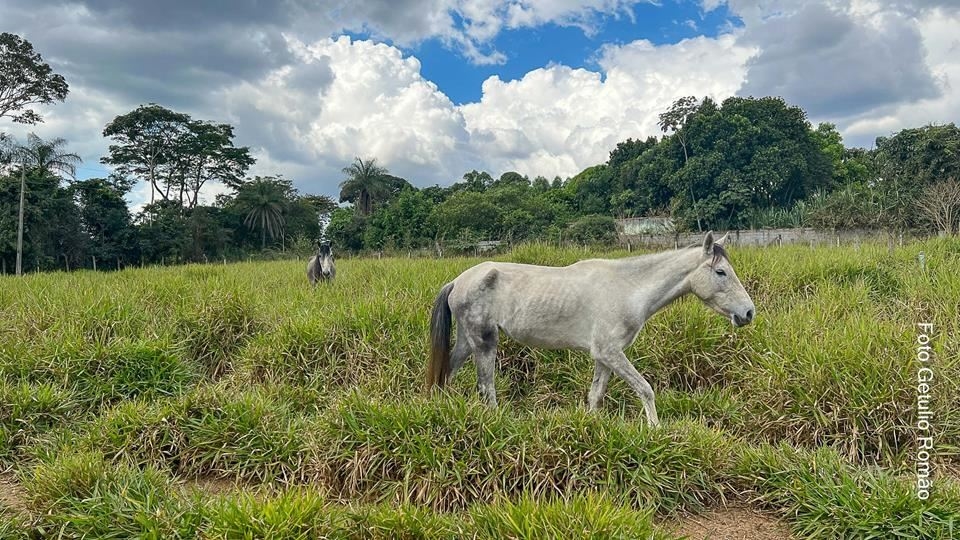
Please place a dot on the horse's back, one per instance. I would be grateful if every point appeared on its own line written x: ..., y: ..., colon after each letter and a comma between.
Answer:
x: 544, y: 306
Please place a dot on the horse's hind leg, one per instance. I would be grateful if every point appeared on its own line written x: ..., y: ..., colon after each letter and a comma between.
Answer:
x: 619, y: 364
x: 461, y: 351
x: 601, y: 377
x: 485, y: 357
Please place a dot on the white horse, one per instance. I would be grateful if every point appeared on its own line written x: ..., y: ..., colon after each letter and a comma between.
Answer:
x: 321, y: 267
x: 596, y: 305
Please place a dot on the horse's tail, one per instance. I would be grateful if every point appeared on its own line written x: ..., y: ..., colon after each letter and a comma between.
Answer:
x: 438, y: 368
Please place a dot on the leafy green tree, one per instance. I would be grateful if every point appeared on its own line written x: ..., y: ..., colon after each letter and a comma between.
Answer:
x: 145, y: 141
x: 49, y: 158
x: 25, y: 80
x: 922, y: 155
x: 263, y: 202
x: 675, y: 119
x: 467, y: 210
x: 105, y: 219
x: 629, y: 150
x: 403, y: 223
x: 346, y: 229
x: 540, y: 184
x: 208, y: 237
x: 205, y: 153
x: 174, y: 153
x: 511, y: 178
x: 366, y: 184
x: 590, y: 190
x: 473, y: 181
x: 44, y: 159
x: 592, y: 229
x: 163, y: 232
x: 51, y: 229
x: 910, y: 161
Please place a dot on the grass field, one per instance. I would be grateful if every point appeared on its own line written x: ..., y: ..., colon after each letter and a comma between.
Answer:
x: 235, y: 402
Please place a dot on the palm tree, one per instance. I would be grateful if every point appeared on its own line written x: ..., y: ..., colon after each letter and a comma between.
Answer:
x: 47, y: 158
x: 263, y: 201
x: 366, y: 182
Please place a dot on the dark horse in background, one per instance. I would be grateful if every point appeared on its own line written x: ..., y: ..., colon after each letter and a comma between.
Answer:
x: 321, y: 267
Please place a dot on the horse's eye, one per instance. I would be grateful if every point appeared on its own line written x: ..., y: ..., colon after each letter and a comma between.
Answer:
x: 720, y: 272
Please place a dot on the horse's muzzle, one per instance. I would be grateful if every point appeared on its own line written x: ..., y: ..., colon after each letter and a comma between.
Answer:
x: 744, y: 320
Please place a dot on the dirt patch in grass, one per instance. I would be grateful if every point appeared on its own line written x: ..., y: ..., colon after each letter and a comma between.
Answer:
x: 12, y: 497
x: 213, y: 485
x: 731, y: 523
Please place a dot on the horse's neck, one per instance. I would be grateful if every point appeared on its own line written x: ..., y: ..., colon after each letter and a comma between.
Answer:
x: 663, y: 276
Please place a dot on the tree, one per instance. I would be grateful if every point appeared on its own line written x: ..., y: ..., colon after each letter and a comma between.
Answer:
x: 511, y: 178
x: 50, y: 231
x: 404, y: 223
x: 263, y: 202
x: 940, y: 204
x: 25, y: 79
x: 630, y: 149
x: 49, y: 157
x: 674, y: 119
x: 467, y: 210
x: 162, y: 231
x: 366, y: 183
x: 204, y: 153
x: 45, y: 158
x: 105, y: 218
x: 593, y: 230
x: 145, y: 141
x: 346, y: 229
x: 322, y: 205
x: 474, y: 181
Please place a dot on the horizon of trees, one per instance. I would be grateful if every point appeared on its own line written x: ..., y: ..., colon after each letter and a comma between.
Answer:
x: 743, y: 163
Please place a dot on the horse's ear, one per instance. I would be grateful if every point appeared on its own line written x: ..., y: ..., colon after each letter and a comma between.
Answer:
x: 708, y: 243
x: 723, y: 239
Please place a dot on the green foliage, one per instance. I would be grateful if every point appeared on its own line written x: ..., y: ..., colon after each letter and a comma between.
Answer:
x: 47, y: 242
x: 175, y: 154
x: 25, y: 79
x: 742, y: 163
x: 592, y: 230
x: 263, y: 205
x: 403, y: 223
x: 105, y: 219
x: 346, y: 229
x: 366, y: 185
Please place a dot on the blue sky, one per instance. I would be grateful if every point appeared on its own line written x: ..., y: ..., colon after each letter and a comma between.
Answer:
x: 311, y: 84
x: 527, y: 49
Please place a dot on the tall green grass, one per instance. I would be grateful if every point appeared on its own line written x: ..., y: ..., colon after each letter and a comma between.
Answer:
x: 140, y: 379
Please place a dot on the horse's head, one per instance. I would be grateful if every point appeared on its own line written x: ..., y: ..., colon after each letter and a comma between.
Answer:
x: 325, y: 258
x: 716, y: 283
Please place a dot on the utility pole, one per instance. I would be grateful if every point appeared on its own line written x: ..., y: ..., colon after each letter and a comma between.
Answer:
x: 23, y: 188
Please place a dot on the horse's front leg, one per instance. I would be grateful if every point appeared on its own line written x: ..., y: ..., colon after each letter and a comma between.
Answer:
x: 619, y: 364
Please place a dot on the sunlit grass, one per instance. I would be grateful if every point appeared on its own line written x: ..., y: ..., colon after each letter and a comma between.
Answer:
x: 115, y: 387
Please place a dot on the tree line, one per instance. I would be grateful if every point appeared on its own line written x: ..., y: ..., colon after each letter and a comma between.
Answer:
x: 742, y: 163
